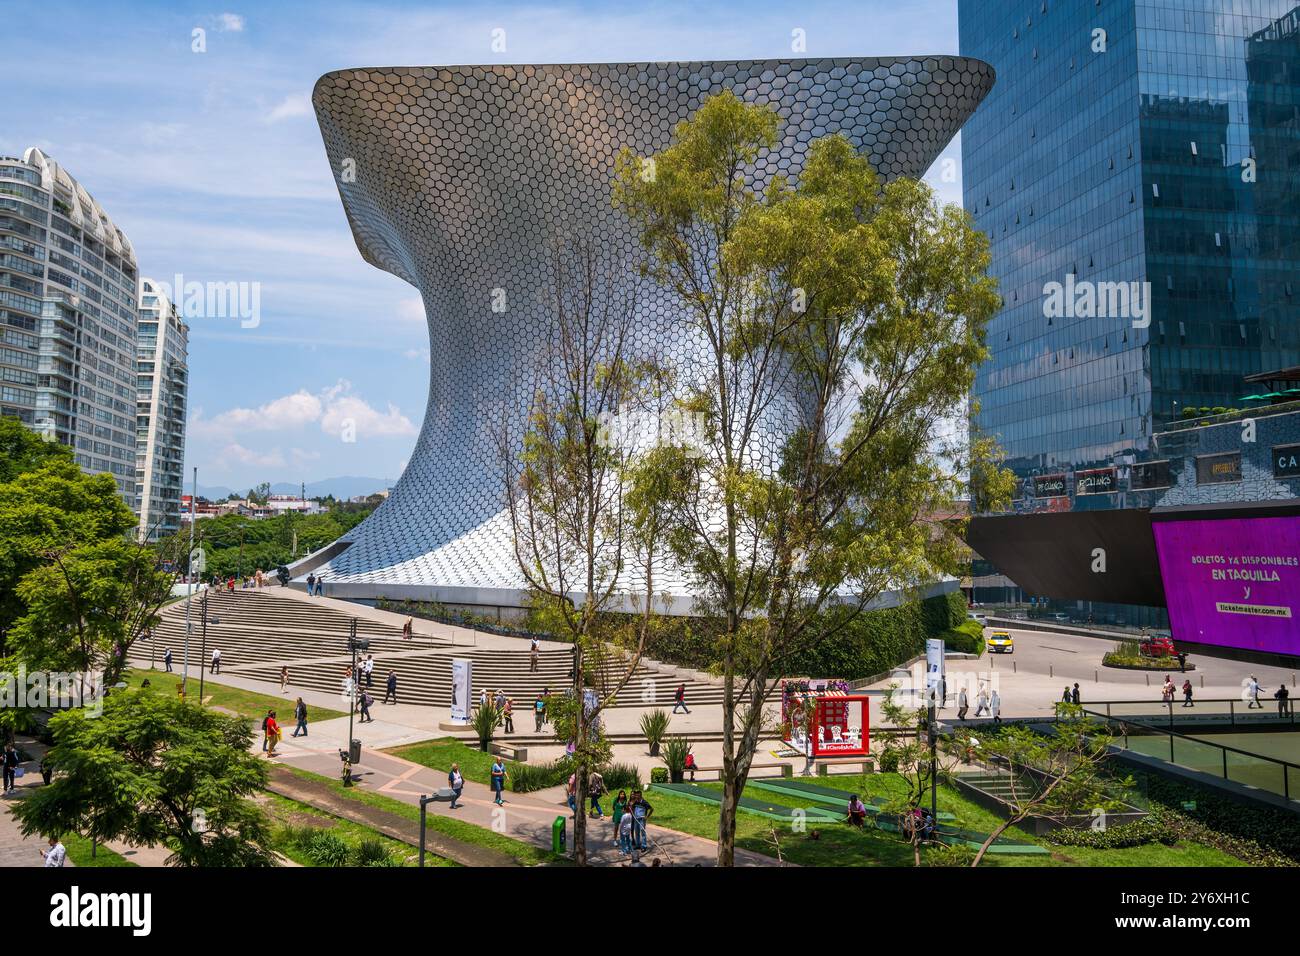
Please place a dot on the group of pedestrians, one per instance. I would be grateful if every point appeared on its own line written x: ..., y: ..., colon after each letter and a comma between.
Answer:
x: 1282, y: 695
x: 315, y: 585
x: 986, y: 701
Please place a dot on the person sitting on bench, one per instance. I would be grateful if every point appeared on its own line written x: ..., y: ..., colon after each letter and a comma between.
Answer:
x: 857, y: 811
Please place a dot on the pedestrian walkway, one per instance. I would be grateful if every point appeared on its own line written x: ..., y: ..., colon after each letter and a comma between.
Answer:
x: 525, y: 817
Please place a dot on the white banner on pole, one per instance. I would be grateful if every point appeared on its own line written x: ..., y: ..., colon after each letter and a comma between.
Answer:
x: 462, y: 682
x: 935, y: 677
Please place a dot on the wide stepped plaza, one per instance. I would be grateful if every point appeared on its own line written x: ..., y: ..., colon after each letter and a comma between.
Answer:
x: 259, y: 631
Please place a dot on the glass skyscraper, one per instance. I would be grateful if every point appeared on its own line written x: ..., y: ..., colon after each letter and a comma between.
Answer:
x: 1154, y: 143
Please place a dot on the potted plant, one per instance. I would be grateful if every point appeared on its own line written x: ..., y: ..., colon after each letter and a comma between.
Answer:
x: 484, y: 723
x: 654, y: 727
x: 674, y: 754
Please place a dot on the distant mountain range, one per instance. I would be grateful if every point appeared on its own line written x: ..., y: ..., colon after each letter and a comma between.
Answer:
x: 342, y: 488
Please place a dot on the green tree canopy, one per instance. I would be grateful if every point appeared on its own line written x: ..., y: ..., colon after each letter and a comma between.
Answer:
x: 153, y: 770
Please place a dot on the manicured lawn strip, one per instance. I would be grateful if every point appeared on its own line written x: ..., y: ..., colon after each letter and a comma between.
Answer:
x: 525, y: 853
x: 78, y: 848
x: 247, y: 703
x: 842, y: 845
x: 441, y: 753
x: 283, y: 811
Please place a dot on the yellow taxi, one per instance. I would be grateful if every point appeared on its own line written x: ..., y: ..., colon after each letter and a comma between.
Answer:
x: 1000, y: 642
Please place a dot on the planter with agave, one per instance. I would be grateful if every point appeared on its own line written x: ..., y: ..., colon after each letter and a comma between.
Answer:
x: 654, y: 727
x: 673, y: 755
x: 484, y: 723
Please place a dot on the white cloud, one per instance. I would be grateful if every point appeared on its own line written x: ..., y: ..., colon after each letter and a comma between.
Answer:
x: 230, y: 23
x: 246, y: 456
x: 281, y: 414
x: 417, y: 354
x: 335, y: 408
x: 293, y: 105
x: 347, y: 413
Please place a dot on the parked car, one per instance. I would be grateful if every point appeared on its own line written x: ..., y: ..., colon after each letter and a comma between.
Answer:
x: 1000, y: 642
x: 1158, y: 644
x: 979, y: 616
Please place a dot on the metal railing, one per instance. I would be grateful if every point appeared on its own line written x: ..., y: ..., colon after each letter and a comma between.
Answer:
x: 1233, y: 764
x: 1238, y: 712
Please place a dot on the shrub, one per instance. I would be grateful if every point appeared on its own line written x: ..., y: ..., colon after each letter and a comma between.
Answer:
x: 658, y: 774
x: 889, y: 760
x: 622, y: 776
x: 674, y: 754
x: 484, y: 723
x: 1260, y: 835
x: 654, y: 725
x: 370, y: 852
x: 965, y: 638
x: 1149, y: 829
x: 526, y: 777
x: 957, y: 855
x: 325, y: 849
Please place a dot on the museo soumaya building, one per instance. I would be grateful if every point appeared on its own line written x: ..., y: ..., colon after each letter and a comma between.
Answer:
x: 458, y: 179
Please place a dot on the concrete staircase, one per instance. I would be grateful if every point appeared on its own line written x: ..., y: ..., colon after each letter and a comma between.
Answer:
x: 259, y: 631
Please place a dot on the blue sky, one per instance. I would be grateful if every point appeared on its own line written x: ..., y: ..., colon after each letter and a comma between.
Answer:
x: 212, y: 164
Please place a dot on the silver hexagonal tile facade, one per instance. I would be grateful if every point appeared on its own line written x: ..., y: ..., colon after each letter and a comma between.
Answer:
x: 456, y: 179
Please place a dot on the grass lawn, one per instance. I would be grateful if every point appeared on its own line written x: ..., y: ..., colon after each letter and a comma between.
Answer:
x: 285, y: 813
x: 525, y: 853
x: 842, y: 845
x: 441, y: 753
x: 78, y: 848
x: 246, y: 703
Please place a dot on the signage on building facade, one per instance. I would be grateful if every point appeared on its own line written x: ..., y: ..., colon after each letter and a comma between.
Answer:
x: 1216, y: 469
x: 1049, y: 486
x: 1286, y: 461
x: 1098, y: 481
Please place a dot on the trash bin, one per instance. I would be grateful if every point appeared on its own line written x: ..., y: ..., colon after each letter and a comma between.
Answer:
x: 354, y: 754
x: 559, y: 838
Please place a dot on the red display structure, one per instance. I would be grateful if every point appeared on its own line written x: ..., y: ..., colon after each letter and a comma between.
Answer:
x: 825, y: 718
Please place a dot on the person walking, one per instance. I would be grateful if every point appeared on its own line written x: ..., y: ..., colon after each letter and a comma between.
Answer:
x: 508, y: 714
x: 1283, y: 698
x: 300, y: 715
x: 284, y: 678
x: 482, y: 698
x: 272, y: 733
x: 617, y: 812
x: 539, y: 712
x: 679, y: 699
x: 349, y: 689
x: 266, y: 723
x: 963, y: 703
x: 595, y: 788
x: 641, y: 813
x: 167, y: 660
x: 500, y: 703
x: 532, y: 656
x: 995, y: 707
x: 1065, y: 695
x: 1187, y: 694
x: 311, y: 585
x: 1252, y: 692
x: 56, y: 854
x: 407, y: 629
x: 626, y: 839
x: 1168, y: 690
x: 215, y: 667
x: 390, y: 688
x: 571, y: 792
x: 368, y: 669
x: 10, y: 768
x: 981, y: 701
x: 1182, y: 662
x: 499, y: 775
x: 1074, y: 694
x: 366, y: 701
x: 457, y: 783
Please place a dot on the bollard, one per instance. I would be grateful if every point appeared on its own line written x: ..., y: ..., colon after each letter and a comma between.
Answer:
x: 1148, y: 677
x: 1014, y: 668
x: 1202, y: 682
x: 1095, y: 678
x: 1049, y: 671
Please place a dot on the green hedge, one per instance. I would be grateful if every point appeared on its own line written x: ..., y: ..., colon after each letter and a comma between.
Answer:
x: 1260, y: 835
x: 1150, y: 829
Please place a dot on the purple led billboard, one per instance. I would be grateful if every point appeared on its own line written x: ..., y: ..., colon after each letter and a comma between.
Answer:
x: 1233, y: 581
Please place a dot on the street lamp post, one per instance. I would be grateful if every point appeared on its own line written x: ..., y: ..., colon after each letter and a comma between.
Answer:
x: 204, y: 652
x: 189, y: 596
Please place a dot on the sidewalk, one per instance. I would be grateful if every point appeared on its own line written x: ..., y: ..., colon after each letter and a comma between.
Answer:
x: 525, y: 816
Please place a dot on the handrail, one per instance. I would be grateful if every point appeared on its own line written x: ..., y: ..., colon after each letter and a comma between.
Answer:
x: 1232, y: 702
x: 1285, y: 765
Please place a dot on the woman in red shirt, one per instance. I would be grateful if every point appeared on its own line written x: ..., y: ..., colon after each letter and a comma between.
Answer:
x: 272, y: 734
